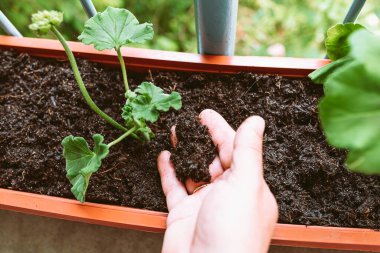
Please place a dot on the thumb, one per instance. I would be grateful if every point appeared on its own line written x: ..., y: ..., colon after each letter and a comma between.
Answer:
x: 247, y: 157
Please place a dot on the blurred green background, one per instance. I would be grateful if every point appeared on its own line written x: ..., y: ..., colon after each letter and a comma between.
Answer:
x: 265, y: 27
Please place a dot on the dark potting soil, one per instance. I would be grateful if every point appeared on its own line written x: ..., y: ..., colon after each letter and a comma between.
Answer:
x: 194, y: 150
x: 40, y: 104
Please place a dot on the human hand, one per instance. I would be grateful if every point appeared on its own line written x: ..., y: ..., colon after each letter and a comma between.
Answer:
x: 236, y: 212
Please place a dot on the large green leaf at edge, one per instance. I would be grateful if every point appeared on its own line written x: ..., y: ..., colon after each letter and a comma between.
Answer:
x: 114, y: 28
x: 336, y: 43
x: 81, y: 162
x: 365, y: 161
x: 365, y: 48
x: 350, y: 115
x: 151, y: 100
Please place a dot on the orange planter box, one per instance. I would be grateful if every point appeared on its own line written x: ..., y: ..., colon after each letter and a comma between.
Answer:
x: 132, y: 218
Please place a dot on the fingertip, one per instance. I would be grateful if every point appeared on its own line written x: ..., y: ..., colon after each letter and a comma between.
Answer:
x: 248, y: 147
x: 164, y: 155
x: 222, y: 134
x: 206, y: 113
x: 163, y: 160
x: 255, y: 123
x: 250, y: 131
x: 208, y: 117
x: 261, y: 123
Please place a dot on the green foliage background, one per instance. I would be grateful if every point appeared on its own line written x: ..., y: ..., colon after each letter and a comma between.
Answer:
x: 298, y: 25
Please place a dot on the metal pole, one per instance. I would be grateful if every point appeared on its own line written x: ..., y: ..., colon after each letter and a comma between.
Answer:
x: 8, y: 27
x: 354, y: 11
x: 216, y: 26
x: 89, y: 7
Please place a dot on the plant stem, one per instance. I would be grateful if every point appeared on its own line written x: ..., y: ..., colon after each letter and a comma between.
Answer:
x: 130, y: 131
x: 123, y: 70
x: 81, y: 85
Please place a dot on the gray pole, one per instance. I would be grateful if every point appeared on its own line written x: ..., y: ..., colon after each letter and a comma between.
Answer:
x: 89, y: 7
x: 8, y: 27
x: 354, y: 11
x: 216, y: 26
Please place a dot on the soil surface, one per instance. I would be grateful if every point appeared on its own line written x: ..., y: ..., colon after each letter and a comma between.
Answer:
x: 40, y: 104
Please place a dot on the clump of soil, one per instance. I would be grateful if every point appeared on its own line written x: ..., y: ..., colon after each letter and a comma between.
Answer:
x: 194, y: 151
x: 40, y: 104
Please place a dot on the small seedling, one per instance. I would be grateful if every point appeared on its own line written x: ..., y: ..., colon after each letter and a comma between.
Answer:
x: 110, y: 29
x: 350, y: 109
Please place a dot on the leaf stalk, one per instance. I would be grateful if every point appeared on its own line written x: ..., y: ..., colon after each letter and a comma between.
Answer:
x: 126, y: 134
x: 81, y: 85
x: 123, y: 70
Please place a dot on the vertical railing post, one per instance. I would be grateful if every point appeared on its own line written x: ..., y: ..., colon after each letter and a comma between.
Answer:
x: 8, y: 27
x: 216, y: 26
x: 354, y: 11
x: 89, y: 8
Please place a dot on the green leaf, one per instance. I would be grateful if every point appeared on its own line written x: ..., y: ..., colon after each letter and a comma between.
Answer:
x: 43, y: 20
x: 320, y: 75
x: 115, y: 28
x: 350, y: 115
x: 81, y: 162
x: 336, y: 43
x: 148, y: 101
x: 366, y: 49
x: 143, y: 132
x: 365, y: 161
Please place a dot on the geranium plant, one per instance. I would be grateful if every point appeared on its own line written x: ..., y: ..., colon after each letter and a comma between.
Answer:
x: 110, y: 29
x: 350, y: 108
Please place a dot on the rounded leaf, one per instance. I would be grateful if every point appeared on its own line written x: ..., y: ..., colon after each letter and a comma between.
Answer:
x: 336, y: 43
x: 81, y: 162
x: 115, y: 28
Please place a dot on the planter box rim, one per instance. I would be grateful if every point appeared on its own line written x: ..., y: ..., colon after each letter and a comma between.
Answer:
x: 152, y: 221
x: 125, y: 217
x: 166, y: 60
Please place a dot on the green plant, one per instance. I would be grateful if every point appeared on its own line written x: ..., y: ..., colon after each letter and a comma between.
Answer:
x: 110, y: 29
x: 350, y: 108
x: 336, y: 42
x: 337, y: 47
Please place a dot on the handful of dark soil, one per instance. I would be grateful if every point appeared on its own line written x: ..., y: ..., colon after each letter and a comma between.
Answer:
x: 194, y: 150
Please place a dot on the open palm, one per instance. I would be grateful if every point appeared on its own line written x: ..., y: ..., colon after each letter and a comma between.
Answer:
x: 236, y: 212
